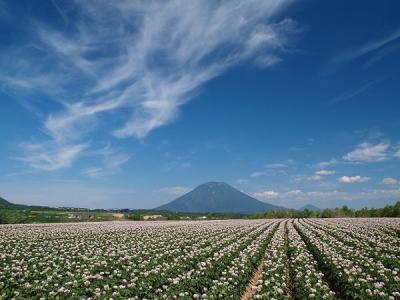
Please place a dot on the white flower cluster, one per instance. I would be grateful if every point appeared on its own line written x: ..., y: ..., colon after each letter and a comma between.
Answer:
x: 307, y: 281
x: 279, y: 259
x: 115, y: 259
x: 239, y: 271
x: 366, y: 234
x: 354, y: 266
x: 213, y: 270
x: 273, y: 282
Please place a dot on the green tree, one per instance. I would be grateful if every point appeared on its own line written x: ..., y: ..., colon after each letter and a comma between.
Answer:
x: 328, y: 213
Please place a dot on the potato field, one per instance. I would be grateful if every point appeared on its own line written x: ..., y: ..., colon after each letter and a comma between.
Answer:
x: 235, y: 259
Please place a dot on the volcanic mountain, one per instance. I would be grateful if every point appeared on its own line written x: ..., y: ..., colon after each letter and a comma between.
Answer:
x: 217, y: 197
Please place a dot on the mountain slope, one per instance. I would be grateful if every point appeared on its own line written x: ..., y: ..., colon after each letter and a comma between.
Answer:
x: 5, y: 204
x: 217, y: 197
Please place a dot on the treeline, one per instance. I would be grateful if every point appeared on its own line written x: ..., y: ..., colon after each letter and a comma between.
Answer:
x: 14, y: 216
x: 339, y: 212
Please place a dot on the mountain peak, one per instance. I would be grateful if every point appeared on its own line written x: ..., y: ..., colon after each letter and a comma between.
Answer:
x: 217, y: 196
x: 214, y: 184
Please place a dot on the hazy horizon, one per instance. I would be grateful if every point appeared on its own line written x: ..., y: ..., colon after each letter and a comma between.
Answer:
x: 131, y: 104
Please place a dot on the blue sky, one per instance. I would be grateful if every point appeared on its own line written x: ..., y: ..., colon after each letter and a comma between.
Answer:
x: 132, y: 103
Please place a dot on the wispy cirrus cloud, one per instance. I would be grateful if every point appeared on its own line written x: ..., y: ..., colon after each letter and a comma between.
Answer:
x: 60, y: 11
x: 381, y: 54
x: 51, y: 156
x: 367, y: 48
x: 353, y: 93
x: 146, y: 59
x: 111, y: 162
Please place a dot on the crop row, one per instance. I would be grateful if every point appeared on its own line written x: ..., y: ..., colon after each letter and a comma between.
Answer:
x: 350, y: 268
x: 234, y: 259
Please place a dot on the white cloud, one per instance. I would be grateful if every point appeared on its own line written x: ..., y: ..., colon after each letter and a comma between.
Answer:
x: 314, y: 178
x: 353, y: 179
x: 112, y: 161
x: 366, y: 48
x: 266, y: 194
x: 353, y: 93
x: 325, y: 172
x: 324, y: 164
x: 382, y: 53
x: 147, y: 58
x: 51, y: 156
x: 176, y: 190
x: 367, y: 152
x: 60, y: 11
x: 257, y: 174
x: 293, y: 193
x: 331, y: 198
x: 267, y: 61
x: 274, y: 169
x: 397, y: 153
x: 277, y: 165
x: 389, y: 181
x: 329, y: 195
x: 271, y: 194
